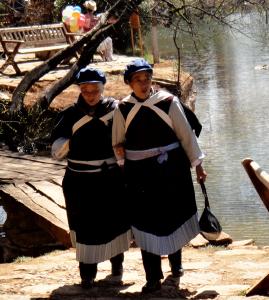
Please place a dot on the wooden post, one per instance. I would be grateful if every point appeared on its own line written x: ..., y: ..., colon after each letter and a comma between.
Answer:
x: 132, y: 40
x: 154, y: 39
x: 136, y: 28
x: 140, y: 41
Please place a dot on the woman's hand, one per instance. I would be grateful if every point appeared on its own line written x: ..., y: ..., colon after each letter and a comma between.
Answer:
x: 119, y: 151
x: 120, y: 154
x: 200, y: 173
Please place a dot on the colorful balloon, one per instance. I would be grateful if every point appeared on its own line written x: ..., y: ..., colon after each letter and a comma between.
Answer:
x: 77, y: 8
x: 73, y: 21
x: 69, y: 7
x: 76, y: 14
x: 81, y: 20
x: 68, y: 11
x: 74, y: 28
x: 66, y: 20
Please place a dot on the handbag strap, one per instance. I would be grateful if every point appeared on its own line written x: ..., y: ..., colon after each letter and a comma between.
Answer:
x: 205, y: 193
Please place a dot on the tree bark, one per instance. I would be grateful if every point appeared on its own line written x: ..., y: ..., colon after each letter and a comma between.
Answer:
x: 154, y: 37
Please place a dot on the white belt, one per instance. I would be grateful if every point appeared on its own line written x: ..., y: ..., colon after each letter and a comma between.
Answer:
x: 85, y: 171
x: 143, y: 154
x: 109, y: 161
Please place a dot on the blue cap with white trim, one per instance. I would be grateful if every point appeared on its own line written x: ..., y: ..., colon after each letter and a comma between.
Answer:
x: 90, y: 75
x: 137, y: 65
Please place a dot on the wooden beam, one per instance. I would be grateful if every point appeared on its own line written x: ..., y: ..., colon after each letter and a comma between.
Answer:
x: 260, y: 288
x: 17, y: 167
x: 52, y: 217
x: 259, y: 179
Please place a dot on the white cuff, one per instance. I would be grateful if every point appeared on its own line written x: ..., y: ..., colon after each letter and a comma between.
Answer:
x: 60, y: 148
x: 198, y: 161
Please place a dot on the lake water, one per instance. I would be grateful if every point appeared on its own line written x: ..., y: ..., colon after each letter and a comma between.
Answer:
x: 232, y: 103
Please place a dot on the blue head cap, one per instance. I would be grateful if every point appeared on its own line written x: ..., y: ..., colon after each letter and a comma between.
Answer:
x: 90, y: 75
x: 137, y: 65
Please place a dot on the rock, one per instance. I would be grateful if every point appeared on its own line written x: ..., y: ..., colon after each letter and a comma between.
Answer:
x: 223, y: 239
x: 199, y: 241
x: 261, y: 67
x: 237, y: 244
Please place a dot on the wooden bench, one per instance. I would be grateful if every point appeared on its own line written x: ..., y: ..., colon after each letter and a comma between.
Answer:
x: 32, y: 39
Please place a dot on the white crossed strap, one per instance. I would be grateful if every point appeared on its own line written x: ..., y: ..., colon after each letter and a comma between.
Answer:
x: 150, y: 103
x: 88, y: 118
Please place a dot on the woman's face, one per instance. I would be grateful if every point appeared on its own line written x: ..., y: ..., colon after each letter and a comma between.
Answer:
x: 92, y: 92
x: 141, y: 84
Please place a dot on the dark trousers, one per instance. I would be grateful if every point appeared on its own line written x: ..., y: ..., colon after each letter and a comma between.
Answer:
x: 89, y: 271
x: 153, y: 265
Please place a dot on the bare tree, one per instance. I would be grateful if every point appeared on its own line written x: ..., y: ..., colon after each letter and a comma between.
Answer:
x: 187, y: 17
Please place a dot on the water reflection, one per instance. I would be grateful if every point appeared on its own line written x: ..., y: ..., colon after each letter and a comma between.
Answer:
x: 233, y: 106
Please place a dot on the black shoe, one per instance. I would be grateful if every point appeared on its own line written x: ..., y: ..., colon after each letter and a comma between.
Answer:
x: 113, y: 280
x: 87, y: 284
x: 116, y: 276
x: 151, y: 287
x: 178, y: 273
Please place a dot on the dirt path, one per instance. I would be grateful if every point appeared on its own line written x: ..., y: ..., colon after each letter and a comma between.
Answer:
x: 210, y: 273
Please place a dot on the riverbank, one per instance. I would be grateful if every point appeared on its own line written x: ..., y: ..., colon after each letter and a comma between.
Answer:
x: 165, y: 76
x: 164, y: 72
x: 210, y: 273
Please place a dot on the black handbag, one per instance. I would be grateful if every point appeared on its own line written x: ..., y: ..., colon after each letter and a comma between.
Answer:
x: 210, y: 227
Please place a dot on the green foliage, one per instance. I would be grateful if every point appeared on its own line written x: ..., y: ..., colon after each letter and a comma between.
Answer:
x: 27, y: 131
x: 148, y: 56
x: 2, y: 8
x: 22, y: 259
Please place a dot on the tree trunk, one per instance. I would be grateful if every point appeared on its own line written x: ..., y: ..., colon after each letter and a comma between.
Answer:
x: 154, y: 41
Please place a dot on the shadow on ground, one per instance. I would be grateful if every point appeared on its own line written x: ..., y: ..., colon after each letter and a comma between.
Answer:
x: 109, y: 291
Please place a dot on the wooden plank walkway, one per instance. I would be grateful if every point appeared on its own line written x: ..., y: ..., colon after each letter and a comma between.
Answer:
x: 35, y: 182
x: 18, y: 167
